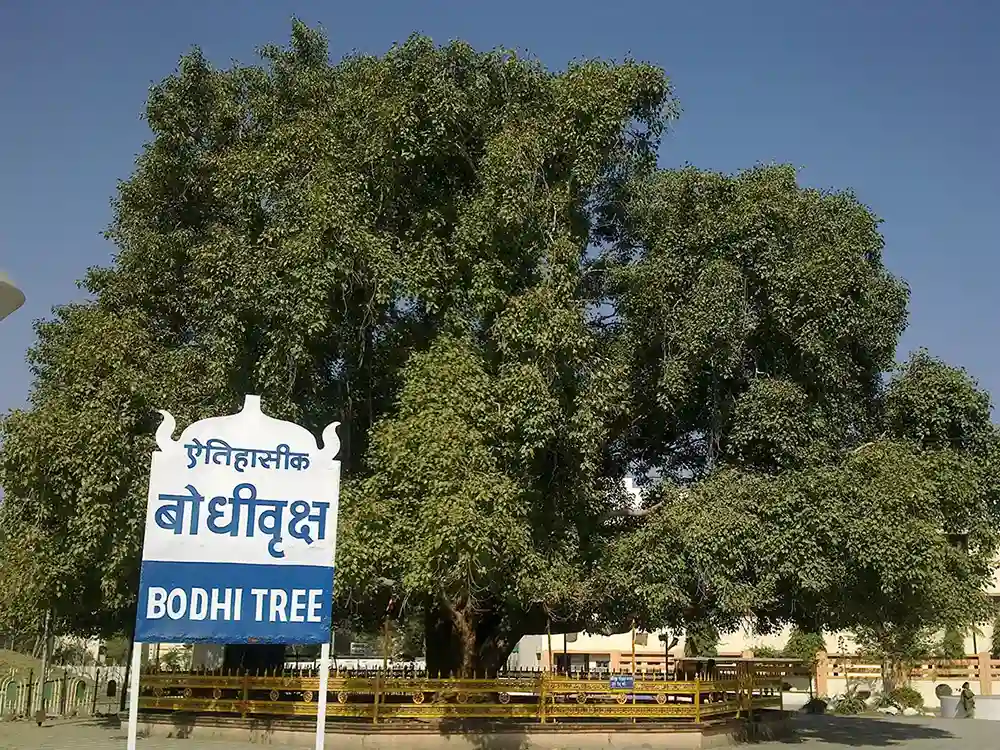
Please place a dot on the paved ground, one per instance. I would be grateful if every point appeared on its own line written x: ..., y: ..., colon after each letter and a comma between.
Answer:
x: 815, y: 733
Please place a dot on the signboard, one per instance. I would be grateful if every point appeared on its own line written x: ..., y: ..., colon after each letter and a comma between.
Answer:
x: 241, y: 526
x: 622, y: 682
x: 360, y: 649
x: 240, y: 537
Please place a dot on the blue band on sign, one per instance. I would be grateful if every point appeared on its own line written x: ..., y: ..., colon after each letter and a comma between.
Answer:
x: 198, y: 602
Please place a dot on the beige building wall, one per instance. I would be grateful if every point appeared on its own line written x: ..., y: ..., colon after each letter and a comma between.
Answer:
x: 615, y: 651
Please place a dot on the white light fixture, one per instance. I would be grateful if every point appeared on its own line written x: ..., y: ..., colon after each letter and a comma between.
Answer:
x: 11, y: 298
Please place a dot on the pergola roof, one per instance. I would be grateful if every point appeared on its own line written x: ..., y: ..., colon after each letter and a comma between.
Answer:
x: 11, y: 297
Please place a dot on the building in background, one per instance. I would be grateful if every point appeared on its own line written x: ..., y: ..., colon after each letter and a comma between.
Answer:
x: 590, y: 652
x: 11, y: 298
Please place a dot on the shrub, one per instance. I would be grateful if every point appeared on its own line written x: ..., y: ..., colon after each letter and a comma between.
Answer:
x: 882, y: 700
x: 804, y: 645
x: 816, y: 706
x: 901, y: 697
x: 766, y: 652
x: 952, y: 645
x: 907, y: 697
x: 701, y: 639
x: 850, y: 703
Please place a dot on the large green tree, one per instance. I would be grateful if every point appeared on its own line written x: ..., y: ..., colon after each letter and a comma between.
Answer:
x: 475, y: 264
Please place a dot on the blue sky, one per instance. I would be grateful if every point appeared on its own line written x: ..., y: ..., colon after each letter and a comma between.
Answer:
x: 893, y: 98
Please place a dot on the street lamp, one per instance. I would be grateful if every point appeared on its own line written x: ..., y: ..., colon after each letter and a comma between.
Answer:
x: 11, y: 297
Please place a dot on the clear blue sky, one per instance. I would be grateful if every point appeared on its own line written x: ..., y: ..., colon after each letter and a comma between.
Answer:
x: 894, y: 98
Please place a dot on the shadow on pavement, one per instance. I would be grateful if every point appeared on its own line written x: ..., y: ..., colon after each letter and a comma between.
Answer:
x: 853, y: 731
x: 485, y: 735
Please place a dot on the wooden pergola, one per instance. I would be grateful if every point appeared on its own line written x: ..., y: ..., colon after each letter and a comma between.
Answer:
x: 11, y: 298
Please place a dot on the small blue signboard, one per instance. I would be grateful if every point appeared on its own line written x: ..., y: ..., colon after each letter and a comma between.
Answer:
x: 623, y: 682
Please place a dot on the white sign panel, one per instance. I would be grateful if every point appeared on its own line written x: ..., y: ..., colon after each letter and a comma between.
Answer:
x: 241, y: 528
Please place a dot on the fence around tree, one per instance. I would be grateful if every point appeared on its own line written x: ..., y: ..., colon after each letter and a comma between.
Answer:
x: 731, y: 690
x: 541, y: 696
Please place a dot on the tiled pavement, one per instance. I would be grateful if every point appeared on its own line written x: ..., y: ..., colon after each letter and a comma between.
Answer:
x: 815, y: 733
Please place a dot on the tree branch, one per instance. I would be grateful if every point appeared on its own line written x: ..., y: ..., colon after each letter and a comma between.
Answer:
x: 631, y: 512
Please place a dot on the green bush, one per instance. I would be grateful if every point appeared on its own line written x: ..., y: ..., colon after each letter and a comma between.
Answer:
x: 883, y: 700
x: 901, y: 697
x: 952, y: 645
x: 906, y: 697
x: 804, y: 645
x: 766, y: 652
x: 701, y: 639
x: 816, y: 706
x: 850, y: 703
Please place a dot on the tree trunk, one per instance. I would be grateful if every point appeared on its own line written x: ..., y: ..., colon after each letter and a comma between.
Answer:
x: 256, y: 658
x: 888, y: 675
x: 895, y: 673
x: 46, y: 658
x: 443, y: 649
x: 459, y: 642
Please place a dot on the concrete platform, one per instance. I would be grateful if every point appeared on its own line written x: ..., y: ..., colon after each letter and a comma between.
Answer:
x: 813, y: 732
x: 457, y: 735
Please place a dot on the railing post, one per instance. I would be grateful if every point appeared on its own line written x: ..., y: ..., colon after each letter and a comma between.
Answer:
x: 985, y: 683
x: 245, y: 695
x: 697, y: 699
x: 97, y: 682
x: 781, y: 693
x: 822, y: 674
x: 542, y: 697
x: 63, y: 703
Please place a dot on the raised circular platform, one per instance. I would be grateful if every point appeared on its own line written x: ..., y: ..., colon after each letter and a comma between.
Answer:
x: 459, y: 734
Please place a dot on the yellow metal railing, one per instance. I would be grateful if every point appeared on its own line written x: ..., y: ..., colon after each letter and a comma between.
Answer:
x: 541, y: 696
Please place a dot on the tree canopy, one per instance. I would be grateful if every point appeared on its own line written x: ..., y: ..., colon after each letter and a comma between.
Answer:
x: 477, y: 266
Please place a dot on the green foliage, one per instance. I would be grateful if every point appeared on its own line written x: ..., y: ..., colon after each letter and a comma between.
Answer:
x: 116, y: 650
x: 71, y: 653
x: 907, y: 697
x: 939, y: 406
x: 804, y: 645
x: 174, y: 659
x: 897, y: 648
x: 476, y: 265
x: 816, y: 706
x: 995, y: 637
x: 952, y: 645
x: 901, y: 697
x: 408, y: 639
x: 701, y: 639
x: 766, y: 652
x: 850, y: 703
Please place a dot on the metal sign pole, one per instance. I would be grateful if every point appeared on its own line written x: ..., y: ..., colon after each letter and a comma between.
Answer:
x: 324, y: 682
x: 133, y: 696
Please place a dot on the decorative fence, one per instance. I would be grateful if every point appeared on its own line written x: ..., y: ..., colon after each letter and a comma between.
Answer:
x: 67, y: 691
x: 835, y: 672
x: 730, y: 692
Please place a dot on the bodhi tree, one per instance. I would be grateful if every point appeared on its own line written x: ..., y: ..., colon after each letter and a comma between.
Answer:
x: 476, y: 265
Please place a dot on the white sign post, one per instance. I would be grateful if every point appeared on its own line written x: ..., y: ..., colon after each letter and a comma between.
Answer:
x: 241, y: 529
